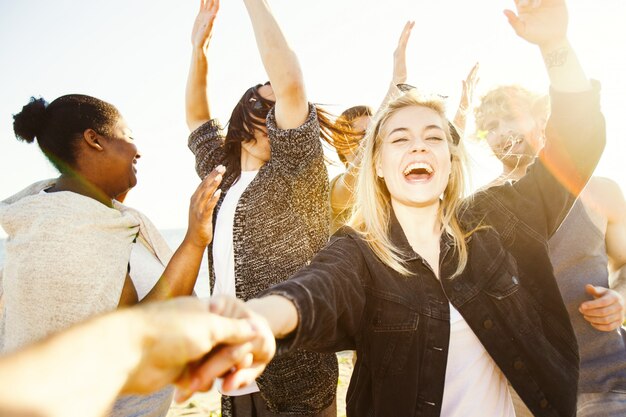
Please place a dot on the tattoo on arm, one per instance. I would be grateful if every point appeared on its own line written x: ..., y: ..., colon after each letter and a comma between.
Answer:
x: 556, y: 58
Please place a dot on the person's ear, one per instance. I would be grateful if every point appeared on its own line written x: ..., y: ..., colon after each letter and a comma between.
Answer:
x: 93, y: 139
x: 379, y: 170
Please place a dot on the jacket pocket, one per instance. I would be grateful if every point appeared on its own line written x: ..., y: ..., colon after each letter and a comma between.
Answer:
x: 392, y: 331
x: 504, y: 281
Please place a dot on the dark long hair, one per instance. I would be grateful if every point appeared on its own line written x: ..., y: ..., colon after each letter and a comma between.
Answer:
x: 250, y: 114
x: 59, y: 126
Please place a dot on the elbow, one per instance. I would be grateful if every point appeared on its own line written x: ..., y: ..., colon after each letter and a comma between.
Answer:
x: 290, y: 87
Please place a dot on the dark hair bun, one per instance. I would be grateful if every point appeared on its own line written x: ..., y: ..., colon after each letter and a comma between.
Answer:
x: 30, y: 122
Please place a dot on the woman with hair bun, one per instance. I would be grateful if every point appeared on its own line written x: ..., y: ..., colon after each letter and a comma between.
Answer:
x: 72, y: 250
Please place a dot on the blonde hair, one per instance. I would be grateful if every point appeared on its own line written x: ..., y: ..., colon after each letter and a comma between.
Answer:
x: 372, y: 209
x: 509, y: 100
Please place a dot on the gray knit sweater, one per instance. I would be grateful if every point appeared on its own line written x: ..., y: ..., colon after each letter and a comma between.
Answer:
x: 281, y: 221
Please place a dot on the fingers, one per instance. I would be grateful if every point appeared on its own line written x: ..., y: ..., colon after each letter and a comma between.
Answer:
x: 607, y: 323
x: 242, y: 377
x: 516, y: 23
x: 606, y: 311
x: 201, y: 374
x: 404, y: 36
x: 207, y: 194
x: 228, y: 307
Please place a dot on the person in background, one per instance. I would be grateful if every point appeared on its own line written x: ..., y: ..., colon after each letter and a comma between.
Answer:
x: 79, y: 371
x: 591, y: 238
x: 357, y: 119
x: 72, y: 250
x: 273, y: 215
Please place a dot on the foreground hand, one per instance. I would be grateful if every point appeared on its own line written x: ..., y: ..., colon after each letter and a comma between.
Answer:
x: 178, y: 332
x: 607, y: 311
x: 399, y: 55
x: 203, y: 201
x: 237, y: 365
x: 203, y: 26
x: 540, y: 22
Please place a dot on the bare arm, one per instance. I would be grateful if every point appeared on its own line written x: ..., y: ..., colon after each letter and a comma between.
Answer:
x: 399, y: 65
x: 281, y: 65
x: 181, y: 272
x: 280, y: 313
x: 197, y: 108
x: 606, y: 312
x: 342, y: 192
x: 80, y: 371
x: 467, y: 97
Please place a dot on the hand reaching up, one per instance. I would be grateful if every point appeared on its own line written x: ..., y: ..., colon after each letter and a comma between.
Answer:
x: 540, y: 22
x: 203, y: 26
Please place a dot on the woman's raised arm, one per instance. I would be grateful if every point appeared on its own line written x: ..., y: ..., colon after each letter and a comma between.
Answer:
x: 197, y: 108
x: 281, y: 65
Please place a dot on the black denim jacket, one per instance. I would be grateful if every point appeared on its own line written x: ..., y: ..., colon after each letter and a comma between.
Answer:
x: 399, y: 326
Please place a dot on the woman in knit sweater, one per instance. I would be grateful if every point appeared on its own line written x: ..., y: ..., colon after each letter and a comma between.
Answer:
x: 273, y: 215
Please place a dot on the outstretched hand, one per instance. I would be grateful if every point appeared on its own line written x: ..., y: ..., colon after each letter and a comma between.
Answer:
x: 399, y: 55
x: 238, y: 365
x: 607, y: 311
x: 184, y: 343
x: 540, y: 22
x: 203, y: 26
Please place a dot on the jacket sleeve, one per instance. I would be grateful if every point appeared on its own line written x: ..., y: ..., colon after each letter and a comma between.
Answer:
x: 206, y: 143
x: 329, y: 297
x: 575, y: 139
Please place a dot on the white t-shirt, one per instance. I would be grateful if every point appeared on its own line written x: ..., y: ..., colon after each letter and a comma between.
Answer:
x: 475, y: 386
x: 224, y: 256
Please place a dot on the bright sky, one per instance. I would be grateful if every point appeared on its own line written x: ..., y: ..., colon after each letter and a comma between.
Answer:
x: 135, y: 54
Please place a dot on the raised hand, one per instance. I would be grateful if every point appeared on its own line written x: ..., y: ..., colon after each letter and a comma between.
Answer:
x: 540, y: 22
x: 467, y: 98
x: 399, y: 55
x: 607, y: 311
x: 203, y: 26
x: 469, y: 86
x: 203, y: 201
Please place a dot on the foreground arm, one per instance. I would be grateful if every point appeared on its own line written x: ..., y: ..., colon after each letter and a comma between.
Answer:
x: 80, y: 372
x: 197, y: 108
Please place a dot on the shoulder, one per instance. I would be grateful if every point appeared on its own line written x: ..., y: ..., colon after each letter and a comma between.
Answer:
x: 604, y: 196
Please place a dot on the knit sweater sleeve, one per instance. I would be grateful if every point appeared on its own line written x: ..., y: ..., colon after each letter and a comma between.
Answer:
x: 294, y: 150
x: 206, y: 143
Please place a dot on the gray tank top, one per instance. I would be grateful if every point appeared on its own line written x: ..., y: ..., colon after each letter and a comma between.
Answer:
x: 578, y: 255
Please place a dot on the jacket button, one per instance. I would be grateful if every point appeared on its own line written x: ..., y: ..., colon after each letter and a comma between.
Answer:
x: 488, y: 324
x: 518, y: 365
x: 543, y: 403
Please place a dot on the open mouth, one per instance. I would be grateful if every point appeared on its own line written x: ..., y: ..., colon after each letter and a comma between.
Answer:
x: 418, y: 171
